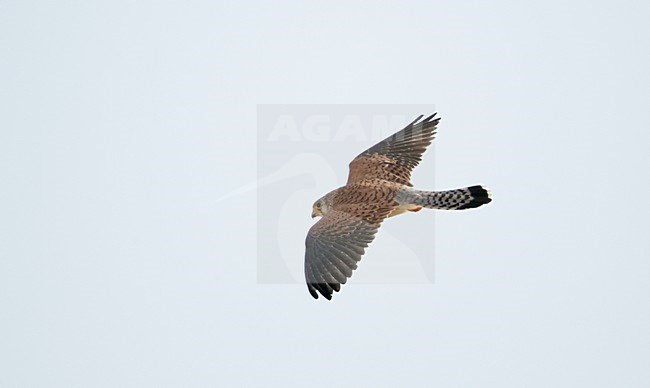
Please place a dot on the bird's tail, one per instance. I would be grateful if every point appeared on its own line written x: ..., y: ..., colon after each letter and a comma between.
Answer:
x: 467, y: 198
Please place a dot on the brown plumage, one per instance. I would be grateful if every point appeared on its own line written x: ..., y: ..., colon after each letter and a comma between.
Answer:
x: 378, y: 186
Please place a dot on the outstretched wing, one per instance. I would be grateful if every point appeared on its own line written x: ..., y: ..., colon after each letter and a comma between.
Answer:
x: 334, y: 246
x: 394, y: 158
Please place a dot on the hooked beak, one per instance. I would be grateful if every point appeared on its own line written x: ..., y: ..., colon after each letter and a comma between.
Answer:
x: 313, y: 214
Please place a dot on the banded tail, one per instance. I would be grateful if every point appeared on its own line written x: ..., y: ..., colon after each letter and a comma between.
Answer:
x: 459, y: 199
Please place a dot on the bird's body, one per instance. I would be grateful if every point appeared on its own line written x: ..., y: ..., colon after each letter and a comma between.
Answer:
x: 378, y: 187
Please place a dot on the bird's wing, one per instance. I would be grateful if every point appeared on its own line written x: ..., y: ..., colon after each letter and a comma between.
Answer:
x: 394, y: 158
x: 336, y: 243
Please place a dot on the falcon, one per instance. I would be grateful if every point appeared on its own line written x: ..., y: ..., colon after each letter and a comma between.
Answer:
x: 379, y: 186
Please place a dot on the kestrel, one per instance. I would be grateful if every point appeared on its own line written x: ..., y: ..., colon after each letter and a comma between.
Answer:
x: 379, y: 186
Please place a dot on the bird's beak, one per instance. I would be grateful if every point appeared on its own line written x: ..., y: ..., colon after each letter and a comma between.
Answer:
x: 313, y: 214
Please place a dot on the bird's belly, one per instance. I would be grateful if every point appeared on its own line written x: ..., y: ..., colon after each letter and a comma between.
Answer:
x: 403, y: 209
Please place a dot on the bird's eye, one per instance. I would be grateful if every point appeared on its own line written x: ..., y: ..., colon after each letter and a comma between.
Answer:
x: 318, y: 205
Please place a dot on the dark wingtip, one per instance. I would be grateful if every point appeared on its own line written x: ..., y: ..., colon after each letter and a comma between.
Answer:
x: 312, y: 291
x: 416, y: 120
x: 430, y: 118
x: 319, y: 288
x: 480, y: 197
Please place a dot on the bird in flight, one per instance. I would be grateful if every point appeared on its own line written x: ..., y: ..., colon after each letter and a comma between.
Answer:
x: 379, y: 186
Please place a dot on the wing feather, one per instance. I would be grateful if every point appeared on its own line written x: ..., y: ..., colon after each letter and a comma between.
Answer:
x: 334, y: 246
x: 394, y: 158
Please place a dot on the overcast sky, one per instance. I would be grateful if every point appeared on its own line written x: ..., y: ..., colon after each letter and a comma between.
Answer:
x: 124, y: 127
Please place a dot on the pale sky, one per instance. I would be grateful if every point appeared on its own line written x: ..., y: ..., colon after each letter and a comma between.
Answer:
x: 124, y: 124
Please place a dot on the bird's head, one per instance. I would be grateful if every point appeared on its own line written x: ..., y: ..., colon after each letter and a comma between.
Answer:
x: 322, y: 205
